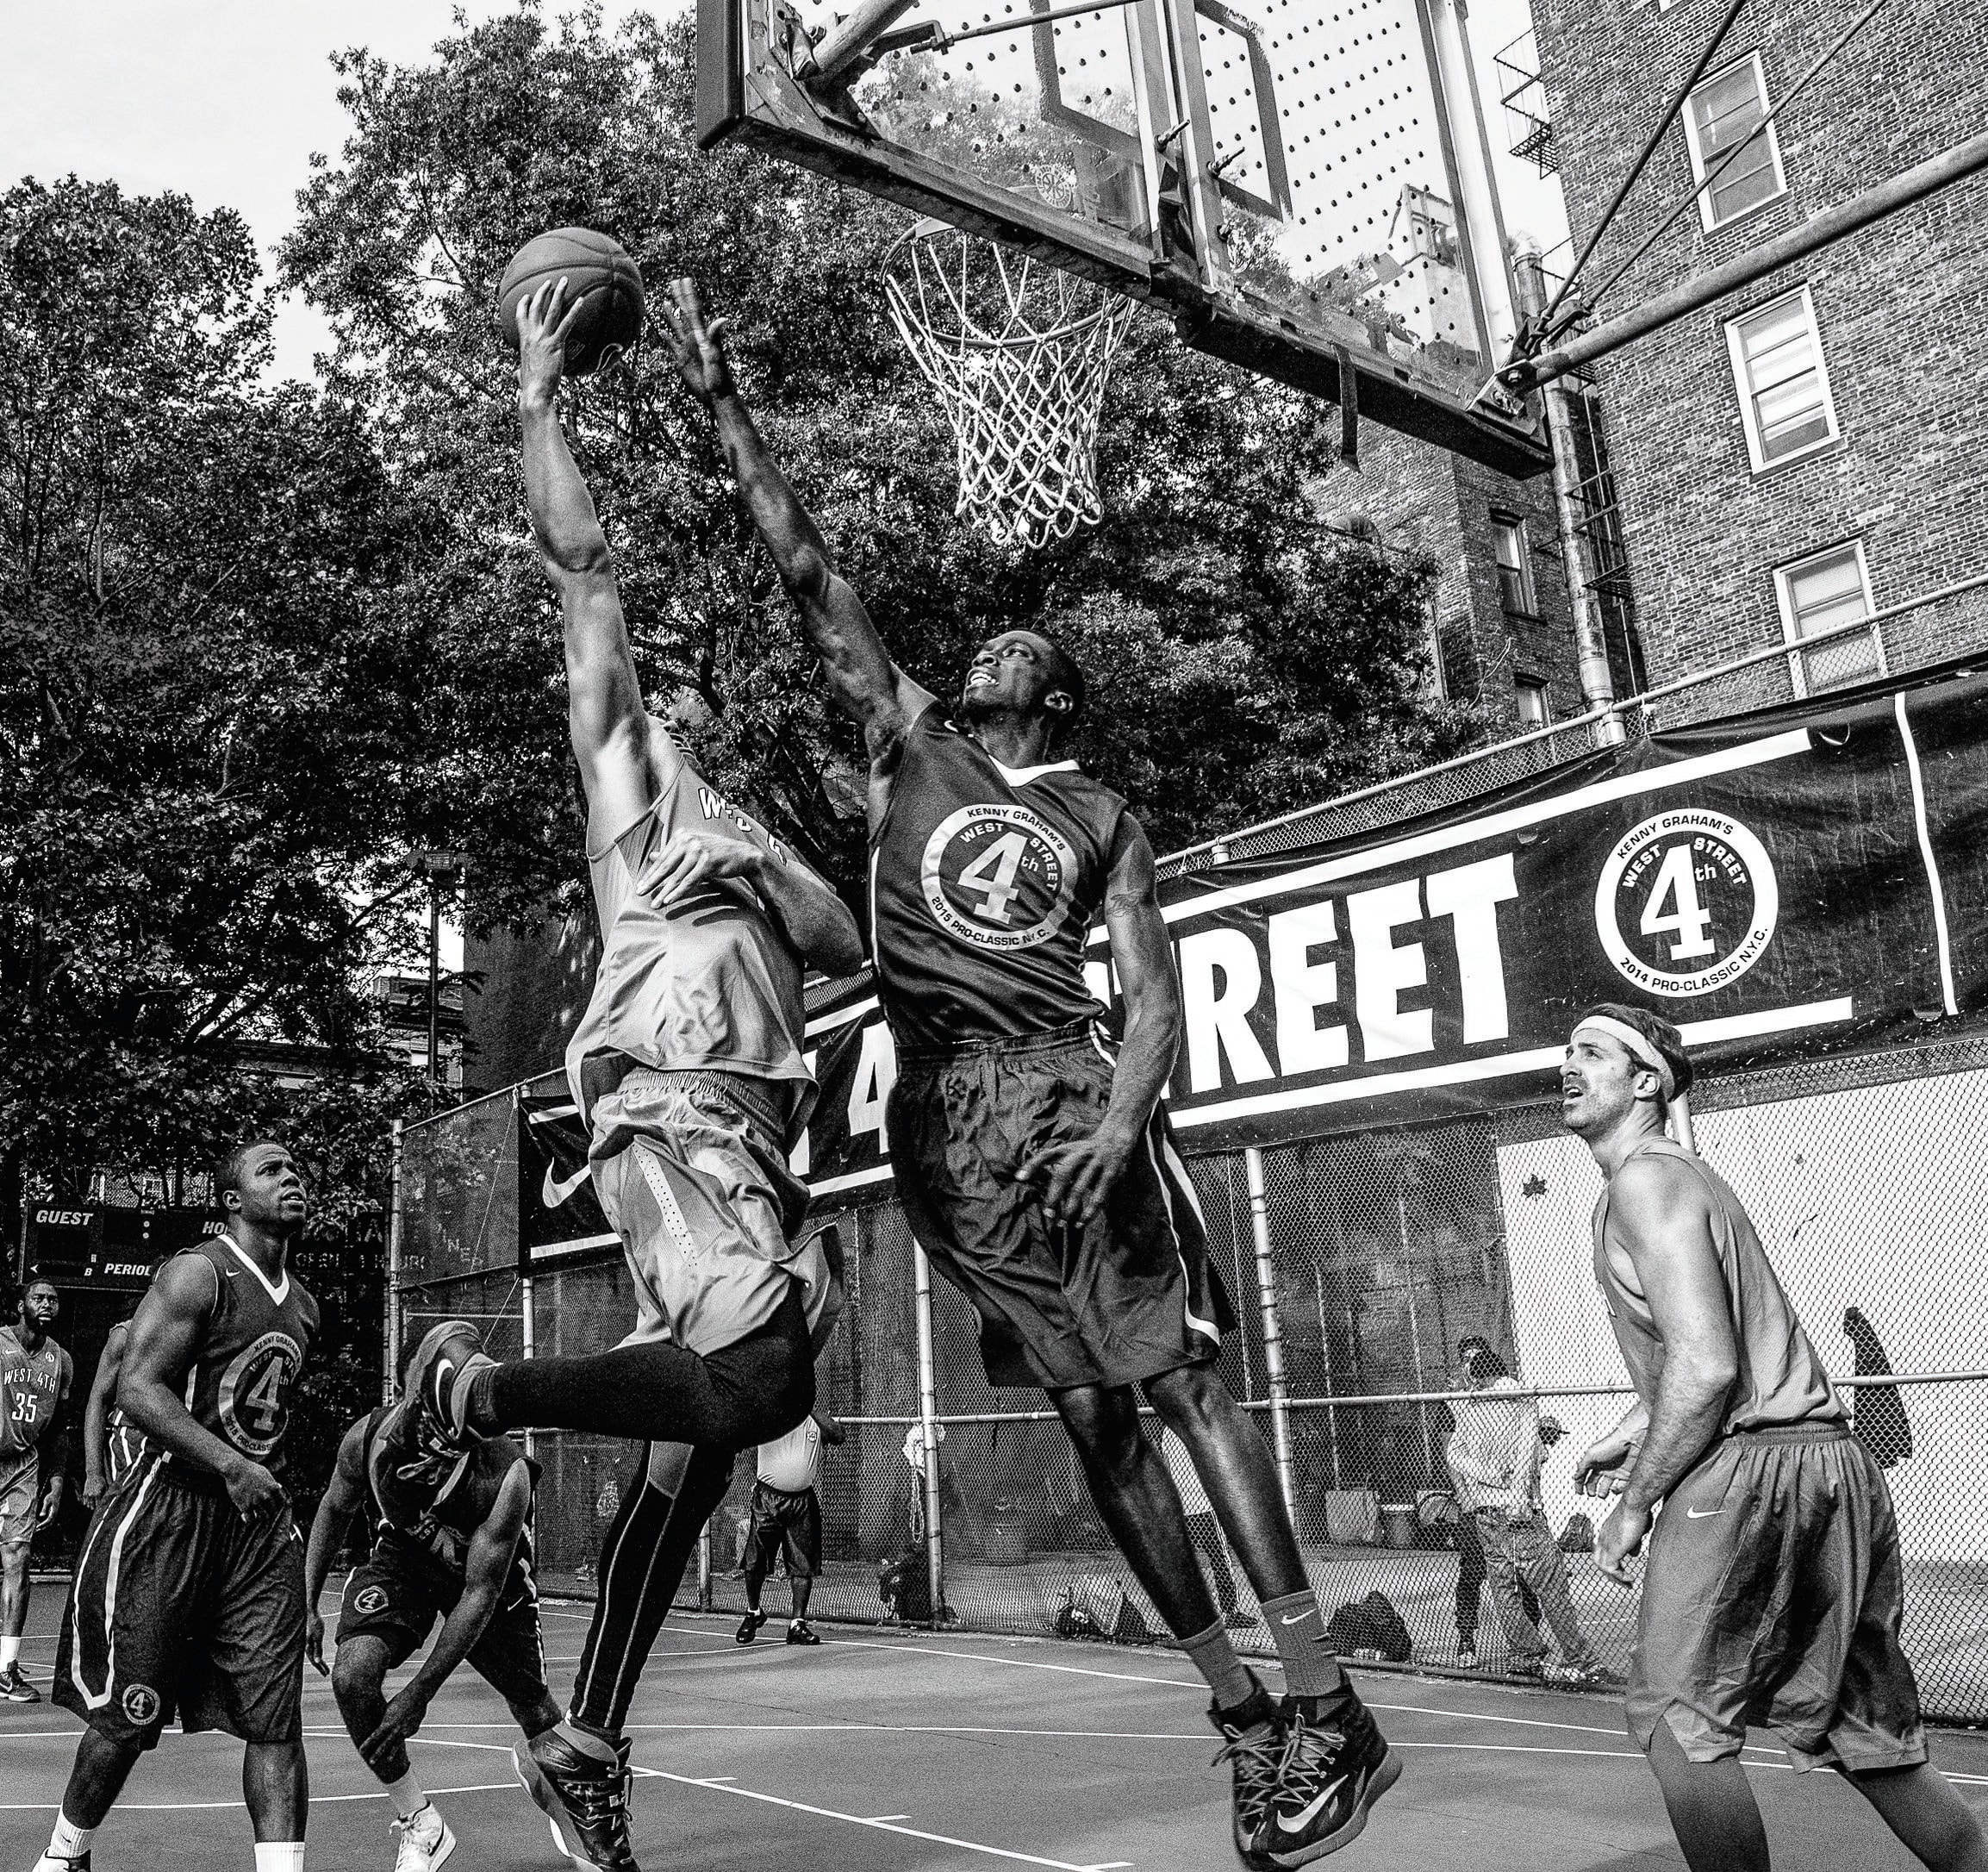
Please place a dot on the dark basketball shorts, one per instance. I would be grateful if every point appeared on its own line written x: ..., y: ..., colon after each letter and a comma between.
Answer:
x: 1129, y: 1296
x: 20, y: 1496
x: 181, y: 1608
x: 401, y: 1591
x: 1771, y: 1597
x: 784, y: 1522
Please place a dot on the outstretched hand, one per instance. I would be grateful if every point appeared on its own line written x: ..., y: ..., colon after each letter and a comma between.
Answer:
x: 697, y: 347
x: 544, y: 320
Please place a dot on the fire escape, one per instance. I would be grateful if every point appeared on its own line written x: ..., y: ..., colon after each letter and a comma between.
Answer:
x: 1528, y: 124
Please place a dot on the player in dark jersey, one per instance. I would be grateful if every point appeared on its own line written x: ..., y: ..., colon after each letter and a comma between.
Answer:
x: 188, y: 1599
x: 1035, y: 1164
x: 451, y: 1539
x: 111, y: 1441
x: 1773, y: 1590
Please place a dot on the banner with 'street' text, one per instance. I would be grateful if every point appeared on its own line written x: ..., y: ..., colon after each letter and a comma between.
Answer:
x: 1806, y: 880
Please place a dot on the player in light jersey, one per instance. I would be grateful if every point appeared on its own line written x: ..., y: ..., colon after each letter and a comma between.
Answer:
x: 451, y: 1539
x: 35, y: 1375
x: 1034, y: 1162
x: 787, y: 1519
x: 188, y: 1599
x: 1773, y: 1590
x: 111, y: 1441
x: 688, y: 1064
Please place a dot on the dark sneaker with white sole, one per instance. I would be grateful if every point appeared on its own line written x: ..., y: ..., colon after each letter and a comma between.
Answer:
x: 1336, y: 1764
x: 800, y: 1632
x: 438, y: 1377
x: 748, y: 1628
x: 15, y: 1688
x: 1253, y: 1745
x: 584, y: 1800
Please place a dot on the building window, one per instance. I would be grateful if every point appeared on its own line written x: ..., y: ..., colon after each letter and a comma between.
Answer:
x: 1777, y: 356
x: 1720, y: 115
x: 1534, y: 708
x: 1514, y: 565
x: 1821, y: 593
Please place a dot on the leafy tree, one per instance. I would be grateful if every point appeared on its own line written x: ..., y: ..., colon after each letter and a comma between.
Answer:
x: 203, y: 795
x: 1251, y: 659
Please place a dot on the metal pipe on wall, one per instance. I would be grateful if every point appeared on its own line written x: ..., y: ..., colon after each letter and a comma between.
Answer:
x: 928, y: 1424
x: 1273, y: 1326
x: 528, y: 1344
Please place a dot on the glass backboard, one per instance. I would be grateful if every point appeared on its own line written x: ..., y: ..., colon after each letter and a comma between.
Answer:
x: 1294, y: 178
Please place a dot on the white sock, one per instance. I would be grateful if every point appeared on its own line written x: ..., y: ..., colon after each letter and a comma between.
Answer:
x: 68, y: 1841
x: 10, y: 1651
x: 408, y: 1800
x: 284, y: 1855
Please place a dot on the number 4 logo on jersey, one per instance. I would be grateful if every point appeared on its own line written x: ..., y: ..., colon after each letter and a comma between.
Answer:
x: 998, y: 876
x: 254, y: 1397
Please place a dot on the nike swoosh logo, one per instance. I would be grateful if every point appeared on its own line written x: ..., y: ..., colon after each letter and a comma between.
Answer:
x: 554, y: 1192
x: 1700, y: 1514
x: 1296, y: 1823
x: 1297, y: 1617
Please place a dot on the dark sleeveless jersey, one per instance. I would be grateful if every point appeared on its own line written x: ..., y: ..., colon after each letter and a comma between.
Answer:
x: 250, y: 1356
x: 985, y: 881
x: 439, y: 1506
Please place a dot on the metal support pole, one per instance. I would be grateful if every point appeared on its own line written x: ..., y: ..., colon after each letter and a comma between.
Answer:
x: 1914, y: 185
x: 928, y: 1422
x: 528, y: 1344
x: 704, y: 1567
x: 1481, y: 223
x: 389, y: 1364
x: 1273, y: 1327
x: 434, y: 980
x: 1596, y: 684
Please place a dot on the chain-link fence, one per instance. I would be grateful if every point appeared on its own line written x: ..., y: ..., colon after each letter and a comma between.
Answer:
x: 1358, y: 1263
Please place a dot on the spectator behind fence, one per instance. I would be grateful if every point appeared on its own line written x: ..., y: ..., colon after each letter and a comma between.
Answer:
x: 1470, y: 1567
x: 1494, y: 1454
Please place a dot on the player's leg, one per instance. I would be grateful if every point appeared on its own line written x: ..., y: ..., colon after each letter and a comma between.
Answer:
x: 1712, y: 1810
x: 758, y: 1563
x: 14, y: 1608
x: 277, y: 1787
x: 1470, y: 1578
x: 578, y: 1771
x: 1931, y: 1821
x: 104, y: 1763
x: 802, y: 1541
x: 365, y: 1654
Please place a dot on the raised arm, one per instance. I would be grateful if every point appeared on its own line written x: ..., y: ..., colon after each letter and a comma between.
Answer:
x: 861, y: 677
x: 96, y: 1416
x: 1664, y: 1226
x: 344, y: 1495
x: 1080, y: 1175
x: 484, y: 1570
x: 609, y: 727
x: 163, y: 1343
x: 813, y: 920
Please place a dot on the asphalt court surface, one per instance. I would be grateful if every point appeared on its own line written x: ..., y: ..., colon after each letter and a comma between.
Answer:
x: 883, y: 1751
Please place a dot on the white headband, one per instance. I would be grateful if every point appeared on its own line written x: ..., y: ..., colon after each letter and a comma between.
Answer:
x: 1640, y: 1048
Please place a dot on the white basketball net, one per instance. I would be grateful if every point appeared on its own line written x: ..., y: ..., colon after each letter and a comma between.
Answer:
x: 1019, y: 354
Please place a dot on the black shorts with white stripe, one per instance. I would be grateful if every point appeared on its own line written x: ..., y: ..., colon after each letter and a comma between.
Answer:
x: 1129, y: 1296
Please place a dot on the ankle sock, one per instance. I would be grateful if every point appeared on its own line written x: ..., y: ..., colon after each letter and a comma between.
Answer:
x: 68, y: 1841
x: 284, y: 1855
x: 407, y: 1798
x: 10, y: 1653
x: 1298, y: 1628
x: 1214, y: 1657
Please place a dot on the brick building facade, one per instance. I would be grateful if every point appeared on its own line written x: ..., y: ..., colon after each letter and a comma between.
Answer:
x: 1816, y: 446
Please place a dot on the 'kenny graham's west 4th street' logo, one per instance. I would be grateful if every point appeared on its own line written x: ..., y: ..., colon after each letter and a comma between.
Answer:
x: 1687, y: 903
x: 998, y: 876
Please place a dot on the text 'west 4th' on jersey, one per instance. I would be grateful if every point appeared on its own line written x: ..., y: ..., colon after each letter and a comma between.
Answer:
x: 250, y: 1357
x: 31, y: 1385
x: 985, y: 881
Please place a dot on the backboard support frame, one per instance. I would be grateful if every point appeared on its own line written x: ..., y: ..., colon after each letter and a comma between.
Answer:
x: 747, y: 91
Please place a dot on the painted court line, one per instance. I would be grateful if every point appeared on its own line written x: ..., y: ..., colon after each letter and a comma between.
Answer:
x: 721, y: 1785
x: 196, y: 1807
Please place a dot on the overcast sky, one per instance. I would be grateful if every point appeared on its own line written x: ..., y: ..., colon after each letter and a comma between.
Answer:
x: 225, y: 101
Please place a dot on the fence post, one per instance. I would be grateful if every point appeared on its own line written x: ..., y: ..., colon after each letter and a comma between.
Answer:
x: 1273, y: 1326
x: 704, y: 1567
x: 390, y: 1361
x: 928, y: 1420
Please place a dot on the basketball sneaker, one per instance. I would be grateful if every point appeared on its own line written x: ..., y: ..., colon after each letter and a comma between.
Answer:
x: 15, y: 1688
x: 426, y: 1841
x: 1253, y: 1745
x: 748, y: 1628
x: 1336, y: 1764
x: 49, y: 1863
x: 438, y: 1378
x: 584, y: 1800
x: 800, y: 1632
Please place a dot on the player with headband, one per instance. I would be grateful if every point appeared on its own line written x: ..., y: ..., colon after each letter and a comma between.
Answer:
x: 1773, y: 1590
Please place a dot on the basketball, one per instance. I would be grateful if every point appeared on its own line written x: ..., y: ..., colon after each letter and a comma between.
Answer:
x: 599, y: 272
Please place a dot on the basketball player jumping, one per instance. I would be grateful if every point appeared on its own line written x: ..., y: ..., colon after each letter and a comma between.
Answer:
x: 451, y: 1534
x: 1037, y: 1168
x: 687, y: 1065
x: 189, y: 1595
x: 1773, y: 1590
x: 35, y: 1374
